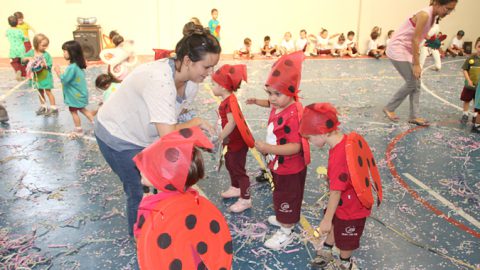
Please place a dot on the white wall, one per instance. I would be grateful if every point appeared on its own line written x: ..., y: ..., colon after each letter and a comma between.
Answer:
x: 158, y: 23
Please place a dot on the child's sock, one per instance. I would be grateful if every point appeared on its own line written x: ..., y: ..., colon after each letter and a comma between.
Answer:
x: 53, y: 107
x: 465, y: 113
x: 286, y: 230
x: 327, y: 247
x: 346, y: 263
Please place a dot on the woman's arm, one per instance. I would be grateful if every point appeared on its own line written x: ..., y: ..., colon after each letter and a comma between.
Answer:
x: 164, y: 129
x: 260, y: 102
x: 421, y: 20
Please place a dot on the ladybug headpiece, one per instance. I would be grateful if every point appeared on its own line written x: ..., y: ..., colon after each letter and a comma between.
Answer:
x: 319, y: 118
x: 286, y: 73
x: 230, y: 76
x: 166, y: 162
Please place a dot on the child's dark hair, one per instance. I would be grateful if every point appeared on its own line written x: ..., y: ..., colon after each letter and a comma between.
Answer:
x: 195, y: 44
x: 391, y: 32
x: 213, y: 10
x: 303, y: 30
x: 115, y: 37
x: 18, y: 14
x: 323, y: 31
x: 476, y: 42
x: 266, y: 38
x: 247, y: 41
x: 104, y: 80
x: 197, y: 169
x: 461, y: 33
x: 75, y: 53
x: 444, y: 2
x: 341, y: 37
x: 12, y: 21
x: 350, y: 33
x: 374, y: 35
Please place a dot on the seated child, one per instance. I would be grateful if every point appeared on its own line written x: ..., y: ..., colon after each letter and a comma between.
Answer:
x: 389, y: 37
x: 108, y: 84
x: 374, y: 50
x: 287, y: 45
x: 268, y: 49
x: 301, y: 44
x: 352, y: 44
x: 178, y: 228
x: 245, y: 50
x: 323, y: 45
x: 456, y: 46
x: 340, y: 48
x: 346, y: 213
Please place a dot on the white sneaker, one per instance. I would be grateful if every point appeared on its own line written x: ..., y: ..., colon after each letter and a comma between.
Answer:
x: 231, y: 192
x: 241, y: 205
x: 279, y: 240
x: 273, y: 221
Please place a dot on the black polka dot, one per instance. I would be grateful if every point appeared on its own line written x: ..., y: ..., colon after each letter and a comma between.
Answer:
x: 280, y: 121
x: 170, y: 187
x: 360, y: 161
x: 186, y: 132
x: 343, y: 177
x: 329, y: 123
x: 176, y: 265
x: 214, y: 226
x: 190, y: 222
x: 228, y: 247
x: 288, y: 63
x: 145, y: 189
x: 201, y: 266
x: 360, y: 144
x: 340, y: 202
x: 367, y: 183
x: 231, y: 70
x: 141, y: 220
x: 291, y: 88
x: 164, y: 240
x: 172, y: 154
x: 281, y: 159
x: 223, y: 268
x: 276, y: 73
x: 202, y: 248
x: 373, y: 162
x: 283, y: 141
x: 287, y: 129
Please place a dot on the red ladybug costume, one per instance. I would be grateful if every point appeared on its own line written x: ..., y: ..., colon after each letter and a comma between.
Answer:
x: 179, y: 229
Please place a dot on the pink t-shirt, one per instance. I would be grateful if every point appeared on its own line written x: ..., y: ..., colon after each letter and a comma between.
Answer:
x: 400, y: 46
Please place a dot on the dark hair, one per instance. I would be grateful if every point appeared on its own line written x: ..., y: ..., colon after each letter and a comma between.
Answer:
x: 461, y: 33
x: 13, y: 21
x: 195, y: 44
x: 247, y: 41
x: 75, y: 53
x: 39, y: 38
x: 188, y: 26
x: 303, y: 30
x: 266, y: 38
x: 374, y: 35
x: 104, y: 80
x: 476, y: 42
x: 115, y: 37
x: 390, y: 32
x: 323, y: 31
x: 197, y: 169
x: 444, y: 2
x: 350, y: 33
x: 18, y: 14
x: 341, y: 37
x: 213, y: 10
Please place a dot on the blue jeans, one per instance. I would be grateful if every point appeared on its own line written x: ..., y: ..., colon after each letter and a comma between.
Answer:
x: 122, y: 164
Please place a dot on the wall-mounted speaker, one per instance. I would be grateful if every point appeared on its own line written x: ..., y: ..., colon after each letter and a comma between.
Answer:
x: 467, y: 47
x: 90, y: 40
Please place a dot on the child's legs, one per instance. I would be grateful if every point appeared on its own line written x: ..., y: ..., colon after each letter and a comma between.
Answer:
x: 50, y: 96
x: 437, y: 59
x: 42, y: 96
x: 87, y: 114
x: 76, y: 118
x: 467, y: 96
x: 17, y: 66
x: 288, y: 197
x: 235, y: 163
x: 28, y: 46
x: 347, y: 234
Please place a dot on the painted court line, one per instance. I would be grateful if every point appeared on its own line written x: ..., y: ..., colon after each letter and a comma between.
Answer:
x: 9, y: 92
x: 446, y: 202
x: 90, y: 138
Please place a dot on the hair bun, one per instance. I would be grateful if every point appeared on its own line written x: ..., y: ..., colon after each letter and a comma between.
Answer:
x: 191, y: 29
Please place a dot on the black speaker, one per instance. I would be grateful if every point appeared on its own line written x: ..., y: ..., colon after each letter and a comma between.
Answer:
x: 90, y: 40
x: 467, y: 47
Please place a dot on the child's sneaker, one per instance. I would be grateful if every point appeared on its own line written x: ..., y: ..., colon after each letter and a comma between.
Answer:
x: 279, y: 240
x: 18, y: 75
x: 322, y: 259
x: 42, y: 110
x: 232, y: 192
x: 53, y: 111
x: 273, y: 221
x: 464, y: 119
x: 343, y: 265
x: 241, y: 205
x: 475, y: 129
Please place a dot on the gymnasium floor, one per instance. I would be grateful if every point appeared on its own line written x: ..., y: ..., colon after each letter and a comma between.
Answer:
x: 60, y: 202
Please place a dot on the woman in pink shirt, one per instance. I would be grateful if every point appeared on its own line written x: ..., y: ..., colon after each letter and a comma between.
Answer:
x: 404, y: 51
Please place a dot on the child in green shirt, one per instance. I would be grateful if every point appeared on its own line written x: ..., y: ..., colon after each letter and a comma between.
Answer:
x: 17, y: 49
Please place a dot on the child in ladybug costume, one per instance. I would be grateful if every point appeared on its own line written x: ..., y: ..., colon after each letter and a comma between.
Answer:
x: 235, y: 134
x: 288, y: 154
x: 178, y: 228
x: 350, y: 165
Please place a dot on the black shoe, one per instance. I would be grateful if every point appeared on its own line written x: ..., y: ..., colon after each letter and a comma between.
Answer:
x: 464, y: 119
x: 475, y: 129
x: 474, y: 119
x: 262, y: 178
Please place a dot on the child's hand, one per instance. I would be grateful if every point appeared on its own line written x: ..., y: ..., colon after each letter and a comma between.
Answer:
x: 325, y: 226
x: 251, y: 101
x: 470, y: 83
x: 262, y: 147
x: 56, y: 68
x: 26, y: 59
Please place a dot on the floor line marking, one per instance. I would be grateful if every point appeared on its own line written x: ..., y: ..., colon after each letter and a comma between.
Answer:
x: 90, y: 138
x: 9, y: 92
x: 446, y: 202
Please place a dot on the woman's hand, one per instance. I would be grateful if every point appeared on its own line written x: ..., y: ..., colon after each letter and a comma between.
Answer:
x: 205, y: 125
x: 417, y: 71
